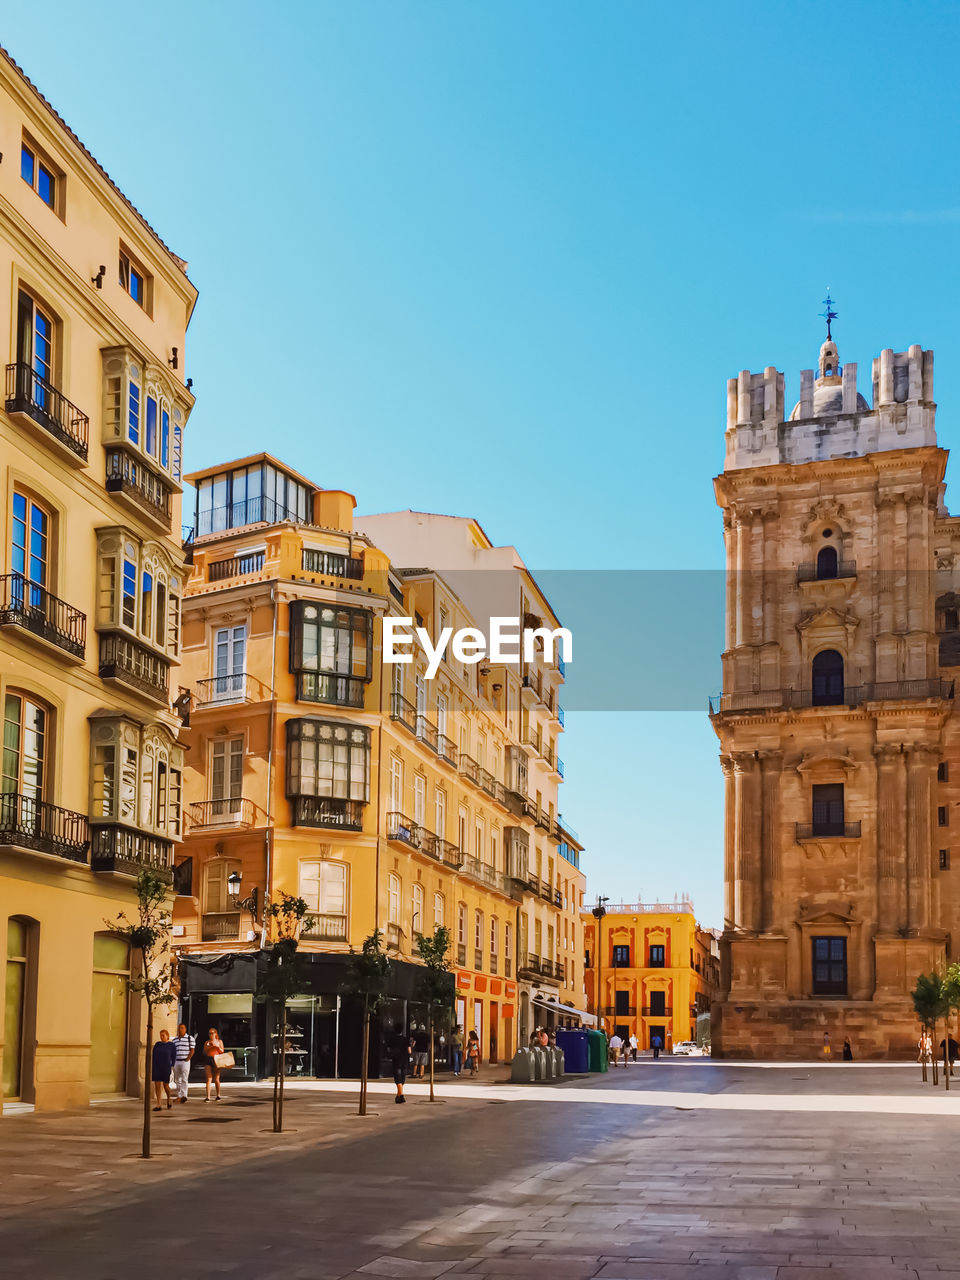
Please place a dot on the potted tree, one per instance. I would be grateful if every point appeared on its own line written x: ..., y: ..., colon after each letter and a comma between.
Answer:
x: 368, y: 978
x: 435, y: 986
x: 282, y: 978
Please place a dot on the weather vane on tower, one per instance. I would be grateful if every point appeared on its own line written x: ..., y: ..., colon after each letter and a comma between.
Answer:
x: 829, y: 315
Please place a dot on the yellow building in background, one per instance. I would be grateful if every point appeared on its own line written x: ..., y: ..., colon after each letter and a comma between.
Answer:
x: 91, y: 578
x: 385, y: 799
x: 651, y: 970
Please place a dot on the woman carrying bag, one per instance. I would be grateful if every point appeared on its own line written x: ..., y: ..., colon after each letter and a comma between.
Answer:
x: 215, y: 1057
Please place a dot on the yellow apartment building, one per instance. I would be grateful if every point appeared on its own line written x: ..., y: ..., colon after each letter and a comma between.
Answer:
x: 651, y: 969
x: 387, y: 800
x: 91, y: 580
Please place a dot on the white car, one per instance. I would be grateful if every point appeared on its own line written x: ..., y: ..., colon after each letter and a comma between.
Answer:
x: 687, y: 1049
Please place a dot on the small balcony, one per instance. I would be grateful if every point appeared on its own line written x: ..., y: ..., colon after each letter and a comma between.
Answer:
x: 485, y: 874
x: 403, y: 830
x: 426, y: 732
x: 403, y: 712
x: 328, y: 811
x: 37, y: 399
x: 492, y: 787
x: 828, y: 831
x: 28, y: 823
x: 134, y: 482
x: 232, y: 811
x: 220, y: 926
x: 469, y: 768
x: 235, y: 567
x: 38, y: 613
x: 331, y: 564
x: 529, y: 965
x: 625, y: 1011
x: 648, y: 1011
x: 128, y: 851
x: 238, y: 687
x: 326, y: 927
x: 810, y: 571
x: 447, y: 750
x: 132, y: 664
x: 332, y: 689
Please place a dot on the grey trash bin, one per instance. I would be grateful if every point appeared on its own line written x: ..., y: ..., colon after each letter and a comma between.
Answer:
x: 521, y: 1069
x: 539, y: 1064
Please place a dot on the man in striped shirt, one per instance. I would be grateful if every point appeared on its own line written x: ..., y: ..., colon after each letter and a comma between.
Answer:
x: 185, y: 1045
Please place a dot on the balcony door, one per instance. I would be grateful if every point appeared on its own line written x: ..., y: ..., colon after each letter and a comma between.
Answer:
x: 29, y: 551
x: 226, y: 779
x: 221, y: 918
x: 22, y: 773
x: 35, y: 349
x: 323, y: 886
x: 828, y: 809
x: 17, y: 985
x: 229, y: 657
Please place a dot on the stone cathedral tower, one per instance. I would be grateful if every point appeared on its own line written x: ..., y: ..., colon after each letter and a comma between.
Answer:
x: 839, y: 743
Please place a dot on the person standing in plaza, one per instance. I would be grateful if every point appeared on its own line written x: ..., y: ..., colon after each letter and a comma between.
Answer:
x: 633, y: 1046
x: 847, y: 1049
x: 456, y: 1051
x: 421, y: 1051
x: 400, y: 1061
x: 473, y: 1052
x: 161, y: 1067
x: 827, y: 1052
x: 185, y: 1045
x: 212, y: 1047
x: 656, y: 1044
x: 616, y: 1044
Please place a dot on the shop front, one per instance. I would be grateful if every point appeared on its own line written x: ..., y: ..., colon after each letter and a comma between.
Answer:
x: 488, y: 1006
x: 324, y: 1032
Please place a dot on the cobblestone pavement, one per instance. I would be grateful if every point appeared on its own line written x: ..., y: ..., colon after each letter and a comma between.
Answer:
x: 566, y: 1183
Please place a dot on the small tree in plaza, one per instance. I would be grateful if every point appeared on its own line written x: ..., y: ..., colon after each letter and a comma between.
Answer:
x: 148, y: 935
x: 435, y: 988
x: 930, y: 1005
x: 368, y: 979
x: 282, y: 979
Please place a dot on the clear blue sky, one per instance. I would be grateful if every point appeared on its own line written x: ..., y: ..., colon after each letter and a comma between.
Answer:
x: 499, y: 259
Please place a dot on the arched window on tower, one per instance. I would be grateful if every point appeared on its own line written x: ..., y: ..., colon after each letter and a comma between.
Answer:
x: 827, y: 673
x: 827, y: 563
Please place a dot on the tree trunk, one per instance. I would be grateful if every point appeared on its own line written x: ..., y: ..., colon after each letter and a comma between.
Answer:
x: 147, y: 1084
x: 923, y: 1058
x: 430, y: 1020
x: 363, y: 1058
x: 933, y: 1055
x: 946, y: 1051
x: 282, y: 1071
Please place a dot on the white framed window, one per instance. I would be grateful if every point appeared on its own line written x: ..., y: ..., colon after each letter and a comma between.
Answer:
x: 421, y: 695
x: 216, y: 898
x: 478, y: 930
x: 396, y: 784
x: 398, y: 679
x: 229, y: 658
x: 494, y: 936
x: 496, y: 764
x: 508, y: 941
x: 417, y: 922
x: 462, y: 923
x: 419, y: 799
x: 440, y: 812
x: 495, y: 848
x: 226, y: 776
x: 323, y: 887
x: 442, y: 714
x: 462, y: 820
x: 393, y: 898
x: 438, y: 912
x: 482, y: 750
x: 479, y: 839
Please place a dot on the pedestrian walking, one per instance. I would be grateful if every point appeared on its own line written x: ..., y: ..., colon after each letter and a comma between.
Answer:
x: 421, y: 1050
x: 954, y: 1053
x: 616, y: 1044
x: 185, y: 1046
x: 656, y: 1044
x: 456, y: 1050
x: 634, y: 1044
x: 400, y: 1061
x: 925, y: 1047
x: 473, y: 1052
x: 827, y: 1052
x: 161, y: 1067
x: 847, y: 1049
x: 212, y: 1048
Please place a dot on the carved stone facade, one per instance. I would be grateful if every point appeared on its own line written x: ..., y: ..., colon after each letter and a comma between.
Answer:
x: 839, y: 743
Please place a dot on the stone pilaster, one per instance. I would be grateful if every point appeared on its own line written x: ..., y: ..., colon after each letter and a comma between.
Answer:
x: 891, y: 806
x: 921, y: 766
x: 771, y: 764
x: 748, y: 836
x: 729, y: 843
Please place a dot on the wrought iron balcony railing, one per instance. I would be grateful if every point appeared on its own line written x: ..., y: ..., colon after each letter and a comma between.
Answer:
x: 28, y: 823
x: 327, y: 927
x: 625, y: 1011
x: 328, y: 811
x: 231, y: 811
x: 30, y: 394
x: 828, y: 830
x: 128, y: 476
x: 25, y: 604
x: 332, y: 564
x: 447, y: 750
x: 469, y: 768
x: 403, y: 711
x: 809, y: 572
x: 117, y: 847
x: 849, y: 696
x: 485, y: 874
x: 337, y: 690
x: 648, y: 1011
x: 238, y: 686
x: 235, y: 567
x: 220, y: 926
x: 125, y: 660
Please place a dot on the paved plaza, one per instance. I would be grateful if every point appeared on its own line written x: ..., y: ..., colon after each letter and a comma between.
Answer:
x: 661, y: 1171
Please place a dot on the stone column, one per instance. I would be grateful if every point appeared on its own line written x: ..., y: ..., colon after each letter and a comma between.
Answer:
x: 917, y: 567
x: 729, y: 843
x: 748, y: 835
x: 730, y: 542
x: 899, y: 562
x: 771, y: 763
x: 921, y: 763
x: 890, y: 809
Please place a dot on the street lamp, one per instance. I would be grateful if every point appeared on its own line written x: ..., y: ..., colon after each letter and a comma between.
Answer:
x: 250, y: 903
x: 599, y: 912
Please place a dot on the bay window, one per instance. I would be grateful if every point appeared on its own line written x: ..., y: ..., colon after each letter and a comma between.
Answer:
x: 328, y: 772
x: 331, y: 652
